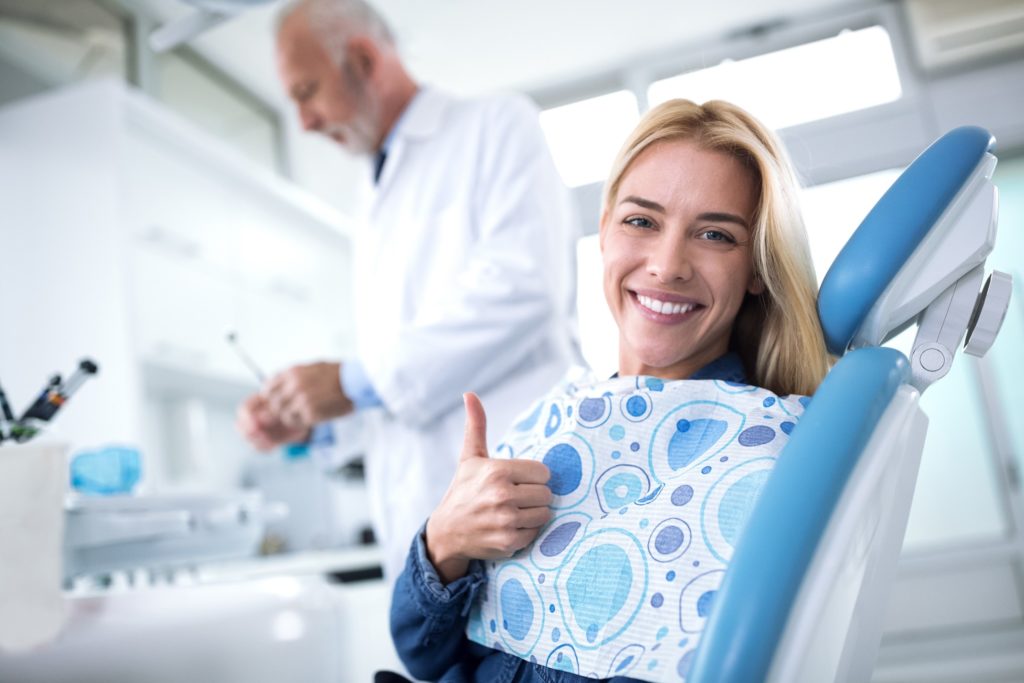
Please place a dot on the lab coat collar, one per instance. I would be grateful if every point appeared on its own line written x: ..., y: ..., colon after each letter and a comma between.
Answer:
x: 421, y: 118
x: 423, y: 115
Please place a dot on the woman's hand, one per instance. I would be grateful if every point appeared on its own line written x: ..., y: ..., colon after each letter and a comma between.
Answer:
x: 492, y: 507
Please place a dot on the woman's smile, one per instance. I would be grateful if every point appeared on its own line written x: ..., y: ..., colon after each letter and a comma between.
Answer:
x: 668, y: 309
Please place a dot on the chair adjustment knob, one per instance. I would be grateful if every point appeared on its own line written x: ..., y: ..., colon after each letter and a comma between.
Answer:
x: 989, y: 313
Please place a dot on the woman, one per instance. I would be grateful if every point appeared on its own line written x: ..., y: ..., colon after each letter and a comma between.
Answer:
x: 599, y: 555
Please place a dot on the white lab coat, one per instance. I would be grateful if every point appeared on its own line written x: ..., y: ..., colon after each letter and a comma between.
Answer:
x: 464, y: 281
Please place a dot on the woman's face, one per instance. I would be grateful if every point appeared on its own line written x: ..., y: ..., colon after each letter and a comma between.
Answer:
x: 677, y: 257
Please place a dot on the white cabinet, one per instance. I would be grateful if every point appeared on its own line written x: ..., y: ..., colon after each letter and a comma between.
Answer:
x: 134, y: 238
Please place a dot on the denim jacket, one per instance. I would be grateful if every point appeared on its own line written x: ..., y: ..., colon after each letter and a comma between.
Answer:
x: 428, y: 626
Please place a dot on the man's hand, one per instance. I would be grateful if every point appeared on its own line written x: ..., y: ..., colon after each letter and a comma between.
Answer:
x: 304, y: 395
x: 492, y: 507
x: 262, y: 428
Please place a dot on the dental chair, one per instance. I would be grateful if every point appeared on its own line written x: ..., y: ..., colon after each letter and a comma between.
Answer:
x: 805, y: 594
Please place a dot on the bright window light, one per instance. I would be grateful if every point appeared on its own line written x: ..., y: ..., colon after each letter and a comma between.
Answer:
x: 851, y: 71
x: 832, y: 211
x: 599, y: 336
x: 584, y: 136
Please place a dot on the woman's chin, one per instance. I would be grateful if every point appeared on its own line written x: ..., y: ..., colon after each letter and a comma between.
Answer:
x: 652, y: 363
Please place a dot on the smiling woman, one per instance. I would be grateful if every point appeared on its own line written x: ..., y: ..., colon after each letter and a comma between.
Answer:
x: 607, y: 527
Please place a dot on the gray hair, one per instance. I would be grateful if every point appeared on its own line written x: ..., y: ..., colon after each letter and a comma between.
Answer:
x: 336, y: 21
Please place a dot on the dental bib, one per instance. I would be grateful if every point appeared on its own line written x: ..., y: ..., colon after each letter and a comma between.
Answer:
x: 653, y: 481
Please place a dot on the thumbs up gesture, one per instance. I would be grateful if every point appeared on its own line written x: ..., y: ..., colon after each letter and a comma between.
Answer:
x: 492, y: 507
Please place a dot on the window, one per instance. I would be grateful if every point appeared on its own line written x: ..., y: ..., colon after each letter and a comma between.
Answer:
x: 832, y: 211
x: 46, y: 44
x: 584, y: 136
x: 599, y: 335
x: 851, y: 71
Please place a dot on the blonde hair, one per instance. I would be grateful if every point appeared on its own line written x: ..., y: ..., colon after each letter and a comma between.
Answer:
x: 776, y: 333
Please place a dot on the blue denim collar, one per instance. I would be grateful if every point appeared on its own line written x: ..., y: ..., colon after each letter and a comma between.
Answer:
x: 728, y: 368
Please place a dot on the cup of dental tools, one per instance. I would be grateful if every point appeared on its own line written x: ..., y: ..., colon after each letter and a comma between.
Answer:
x: 33, y: 484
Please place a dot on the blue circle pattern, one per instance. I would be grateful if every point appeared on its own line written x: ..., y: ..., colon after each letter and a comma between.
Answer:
x: 559, y: 539
x: 518, y: 608
x: 682, y: 495
x: 554, y: 543
x: 614, y: 560
x: 637, y: 407
x: 591, y: 409
x: 583, y: 551
x: 593, y: 412
x: 566, y: 469
x: 621, y: 485
x: 554, y: 421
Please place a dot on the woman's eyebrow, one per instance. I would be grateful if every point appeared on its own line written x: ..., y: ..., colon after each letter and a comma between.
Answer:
x: 645, y: 203
x: 716, y: 217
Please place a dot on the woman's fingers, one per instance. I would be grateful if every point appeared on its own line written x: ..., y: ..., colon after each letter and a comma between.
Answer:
x: 474, y: 444
x: 528, y: 472
x: 533, y: 518
x: 531, y: 495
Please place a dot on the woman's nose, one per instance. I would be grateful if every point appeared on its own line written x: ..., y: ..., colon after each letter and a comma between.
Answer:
x: 669, y: 260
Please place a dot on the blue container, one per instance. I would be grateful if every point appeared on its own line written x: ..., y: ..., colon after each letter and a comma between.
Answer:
x: 108, y: 471
x: 294, y: 451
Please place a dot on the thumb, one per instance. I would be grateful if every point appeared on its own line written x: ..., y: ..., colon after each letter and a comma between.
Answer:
x: 475, y: 443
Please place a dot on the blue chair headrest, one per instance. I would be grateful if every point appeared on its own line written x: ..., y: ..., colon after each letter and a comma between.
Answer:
x: 893, y: 229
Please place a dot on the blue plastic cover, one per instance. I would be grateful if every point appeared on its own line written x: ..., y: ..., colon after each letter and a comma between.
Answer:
x: 776, y: 547
x: 109, y: 471
x: 892, y: 231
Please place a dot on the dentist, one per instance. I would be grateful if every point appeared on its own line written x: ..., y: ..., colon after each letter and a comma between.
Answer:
x: 464, y: 266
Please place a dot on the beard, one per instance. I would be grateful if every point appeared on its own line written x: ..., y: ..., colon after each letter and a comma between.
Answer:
x: 359, y: 136
x: 361, y: 133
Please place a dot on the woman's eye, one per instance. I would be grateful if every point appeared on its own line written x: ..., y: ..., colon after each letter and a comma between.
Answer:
x: 639, y: 222
x: 717, y: 236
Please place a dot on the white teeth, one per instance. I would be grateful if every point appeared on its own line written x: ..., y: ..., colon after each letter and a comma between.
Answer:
x: 664, y: 307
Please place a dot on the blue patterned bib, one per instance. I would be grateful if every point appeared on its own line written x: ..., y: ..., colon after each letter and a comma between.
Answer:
x: 653, y: 481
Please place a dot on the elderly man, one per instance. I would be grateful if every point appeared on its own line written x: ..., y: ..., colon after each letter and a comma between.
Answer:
x: 464, y: 266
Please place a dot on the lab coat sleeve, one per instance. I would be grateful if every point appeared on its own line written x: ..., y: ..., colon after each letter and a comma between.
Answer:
x: 357, y: 385
x: 514, y: 287
x: 428, y: 619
